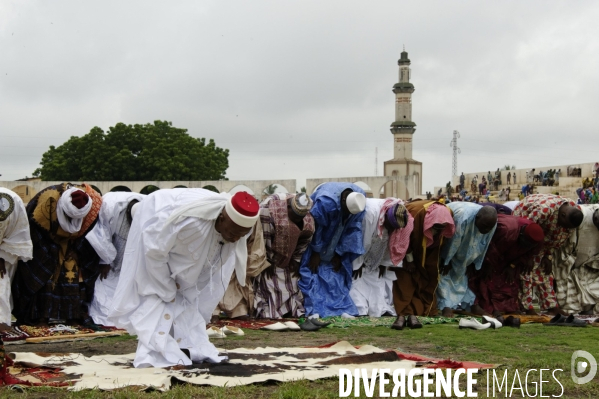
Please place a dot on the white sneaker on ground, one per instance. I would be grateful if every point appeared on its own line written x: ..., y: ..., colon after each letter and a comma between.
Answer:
x: 292, y: 326
x: 493, y: 321
x: 215, y: 332
x: 276, y: 327
x: 473, y: 323
x: 230, y: 330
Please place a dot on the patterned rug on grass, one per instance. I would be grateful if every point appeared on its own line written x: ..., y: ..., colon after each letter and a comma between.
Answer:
x: 60, y: 332
x: 245, y: 366
x: 341, y: 322
x: 253, y: 324
x: 336, y: 321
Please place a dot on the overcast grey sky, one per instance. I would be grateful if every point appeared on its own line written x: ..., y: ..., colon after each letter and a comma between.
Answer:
x: 303, y: 89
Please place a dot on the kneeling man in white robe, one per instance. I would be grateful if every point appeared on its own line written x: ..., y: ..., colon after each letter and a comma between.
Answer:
x: 183, y: 247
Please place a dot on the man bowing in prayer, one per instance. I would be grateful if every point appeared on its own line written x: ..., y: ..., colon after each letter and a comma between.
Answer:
x: 58, y: 283
x: 558, y: 217
x: 108, y: 238
x: 181, y: 252
x: 238, y: 301
x: 577, y: 276
x: 414, y: 288
x: 15, y: 245
x: 288, y: 229
x: 474, y: 228
x: 326, y: 268
x: 496, y: 284
x: 386, y: 233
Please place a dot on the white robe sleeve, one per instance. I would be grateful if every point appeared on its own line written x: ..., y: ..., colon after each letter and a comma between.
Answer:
x: 15, y: 239
x: 156, y: 278
x: 100, y: 238
x: 369, y: 224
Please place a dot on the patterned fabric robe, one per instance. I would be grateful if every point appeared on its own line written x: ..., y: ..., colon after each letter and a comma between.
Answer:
x: 59, y: 281
x: 276, y: 291
x: 543, y: 209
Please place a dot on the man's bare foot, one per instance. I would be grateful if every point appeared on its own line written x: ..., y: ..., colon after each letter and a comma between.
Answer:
x: 531, y: 312
x: 447, y: 312
x: 554, y: 311
x: 5, y: 327
x: 214, y: 319
x: 477, y: 310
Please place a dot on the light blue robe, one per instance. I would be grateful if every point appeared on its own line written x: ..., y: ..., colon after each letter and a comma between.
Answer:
x: 326, y: 292
x: 467, y: 246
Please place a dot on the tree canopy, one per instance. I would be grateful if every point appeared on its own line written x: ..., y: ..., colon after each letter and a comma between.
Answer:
x: 155, y: 151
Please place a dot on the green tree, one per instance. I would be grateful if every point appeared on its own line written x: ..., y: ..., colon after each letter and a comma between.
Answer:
x: 270, y: 189
x: 155, y: 151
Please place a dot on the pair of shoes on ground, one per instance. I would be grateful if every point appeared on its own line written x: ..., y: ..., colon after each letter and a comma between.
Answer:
x: 487, y: 322
x: 313, y: 324
x: 215, y: 332
x: 401, y: 321
x: 285, y: 326
x: 510, y: 321
x: 566, y: 321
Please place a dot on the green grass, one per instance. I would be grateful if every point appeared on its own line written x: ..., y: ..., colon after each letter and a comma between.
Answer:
x: 532, y: 346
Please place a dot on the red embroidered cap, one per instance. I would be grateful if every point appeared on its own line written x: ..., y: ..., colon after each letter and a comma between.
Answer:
x: 243, y: 209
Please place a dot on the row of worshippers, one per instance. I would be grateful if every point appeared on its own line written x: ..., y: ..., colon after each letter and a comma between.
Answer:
x: 163, y: 265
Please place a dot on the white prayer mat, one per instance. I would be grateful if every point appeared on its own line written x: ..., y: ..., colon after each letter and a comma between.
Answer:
x: 245, y: 366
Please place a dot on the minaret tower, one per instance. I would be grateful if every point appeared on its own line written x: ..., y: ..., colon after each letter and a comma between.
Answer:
x: 403, y: 128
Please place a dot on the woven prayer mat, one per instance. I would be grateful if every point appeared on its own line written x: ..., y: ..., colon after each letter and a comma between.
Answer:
x: 55, y: 333
x: 341, y: 322
x: 530, y: 318
x: 245, y: 366
x: 253, y: 324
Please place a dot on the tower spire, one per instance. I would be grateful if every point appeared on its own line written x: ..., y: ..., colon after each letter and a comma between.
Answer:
x: 403, y: 128
x: 407, y: 172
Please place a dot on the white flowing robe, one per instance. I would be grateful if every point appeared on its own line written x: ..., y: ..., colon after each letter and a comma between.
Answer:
x: 108, y: 238
x: 177, y: 267
x: 15, y: 245
x: 373, y: 296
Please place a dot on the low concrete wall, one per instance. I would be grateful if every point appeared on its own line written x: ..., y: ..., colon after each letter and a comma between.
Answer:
x: 28, y: 189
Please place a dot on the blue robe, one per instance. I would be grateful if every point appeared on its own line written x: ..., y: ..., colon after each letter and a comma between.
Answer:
x: 326, y: 292
x: 466, y: 247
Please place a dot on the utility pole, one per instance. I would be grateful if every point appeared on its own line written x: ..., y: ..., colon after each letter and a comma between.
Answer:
x: 456, y: 150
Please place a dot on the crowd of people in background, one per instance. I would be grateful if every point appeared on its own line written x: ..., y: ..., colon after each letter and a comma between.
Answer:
x: 166, y: 265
